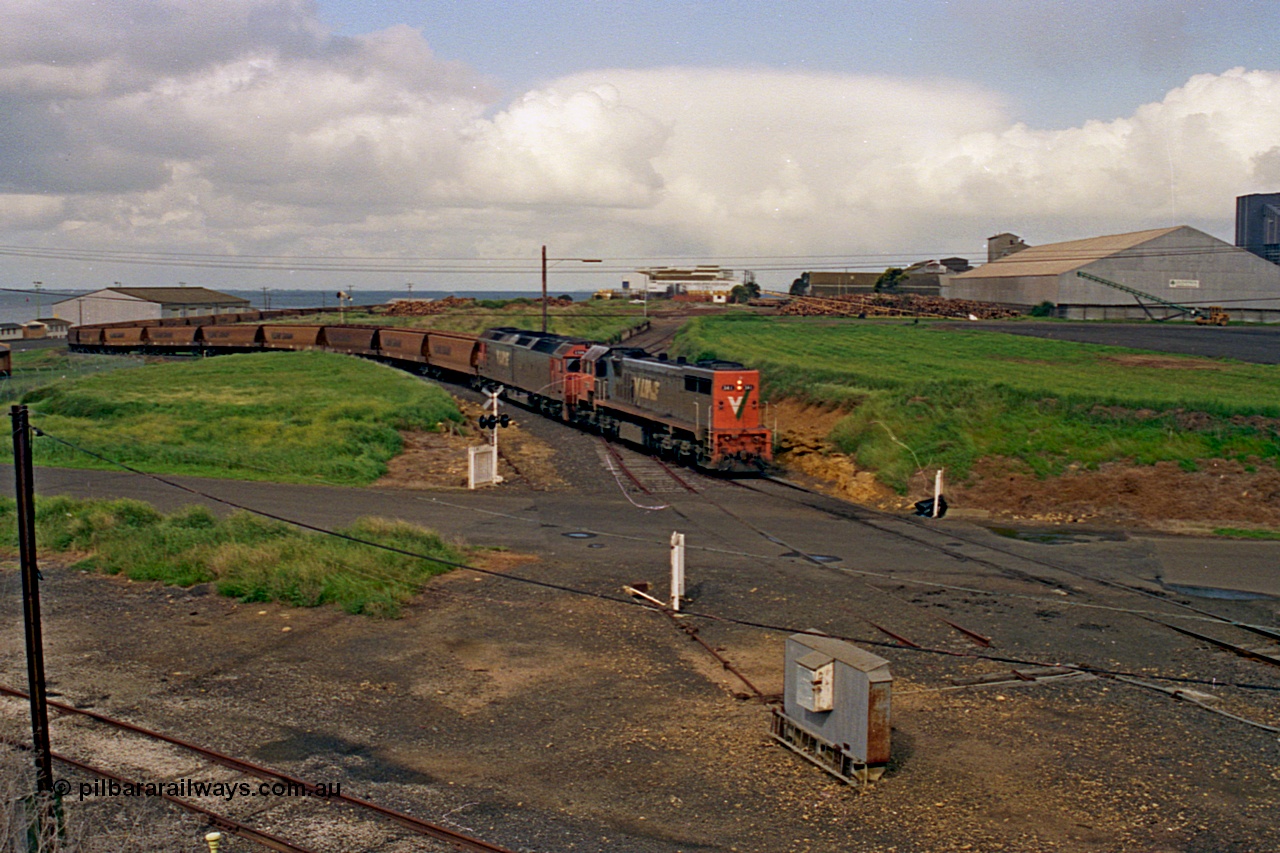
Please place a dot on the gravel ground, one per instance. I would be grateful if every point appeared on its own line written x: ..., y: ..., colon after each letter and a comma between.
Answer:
x: 548, y: 721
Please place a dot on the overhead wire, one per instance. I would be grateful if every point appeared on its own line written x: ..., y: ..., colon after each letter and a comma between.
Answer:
x: 630, y: 602
x: 508, y: 265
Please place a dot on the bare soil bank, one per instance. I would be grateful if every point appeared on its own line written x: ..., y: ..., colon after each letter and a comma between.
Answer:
x: 1160, y: 497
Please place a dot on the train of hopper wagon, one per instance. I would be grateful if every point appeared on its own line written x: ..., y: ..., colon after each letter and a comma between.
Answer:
x: 706, y: 414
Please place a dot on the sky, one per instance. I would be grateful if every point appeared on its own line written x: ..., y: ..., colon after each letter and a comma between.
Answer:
x: 368, y: 143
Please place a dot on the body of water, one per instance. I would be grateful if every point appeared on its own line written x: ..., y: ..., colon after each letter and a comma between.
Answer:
x: 21, y: 306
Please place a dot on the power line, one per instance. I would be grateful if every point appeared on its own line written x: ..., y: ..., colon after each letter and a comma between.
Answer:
x: 630, y: 602
x: 457, y: 265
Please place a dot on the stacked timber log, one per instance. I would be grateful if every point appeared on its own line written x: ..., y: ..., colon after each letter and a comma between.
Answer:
x: 895, y: 305
x: 426, y: 307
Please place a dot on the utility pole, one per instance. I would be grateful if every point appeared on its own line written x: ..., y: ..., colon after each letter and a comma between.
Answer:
x: 38, y: 285
x: 24, y: 488
x: 544, y: 280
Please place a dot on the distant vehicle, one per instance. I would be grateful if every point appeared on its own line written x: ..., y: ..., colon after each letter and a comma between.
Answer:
x: 1216, y: 317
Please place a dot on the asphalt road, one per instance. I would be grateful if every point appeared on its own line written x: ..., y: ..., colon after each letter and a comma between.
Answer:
x: 1258, y: 344
x: 558, y: 721
x: 629, y: 530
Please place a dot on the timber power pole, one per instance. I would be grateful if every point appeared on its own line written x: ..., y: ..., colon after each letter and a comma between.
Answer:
x: 25, y: 493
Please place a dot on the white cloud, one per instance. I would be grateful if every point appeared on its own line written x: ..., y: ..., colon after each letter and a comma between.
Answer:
x: 272, y: 136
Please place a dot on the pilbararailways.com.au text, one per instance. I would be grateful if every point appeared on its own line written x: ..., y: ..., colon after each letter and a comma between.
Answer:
x: 194, y: 788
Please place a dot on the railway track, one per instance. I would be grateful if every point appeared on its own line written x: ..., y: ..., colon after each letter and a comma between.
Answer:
x: 684, y: 481
x: 1256, y: 643
x: 275, y: 805
x: 1057, y: 576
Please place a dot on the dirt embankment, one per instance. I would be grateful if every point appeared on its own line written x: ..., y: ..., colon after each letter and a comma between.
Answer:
x: 438, y: 460
x: 800, y: 436
x: 1220, y: 494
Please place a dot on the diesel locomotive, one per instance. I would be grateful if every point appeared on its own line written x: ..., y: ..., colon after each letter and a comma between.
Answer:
x: 705, y: 414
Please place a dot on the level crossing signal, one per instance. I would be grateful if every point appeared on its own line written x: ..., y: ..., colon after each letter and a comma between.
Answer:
x: 491, y: 421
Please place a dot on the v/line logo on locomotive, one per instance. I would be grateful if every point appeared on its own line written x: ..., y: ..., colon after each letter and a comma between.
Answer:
x: 645, y: 388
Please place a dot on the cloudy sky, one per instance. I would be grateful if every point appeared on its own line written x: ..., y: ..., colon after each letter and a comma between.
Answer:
x: 297, y: 144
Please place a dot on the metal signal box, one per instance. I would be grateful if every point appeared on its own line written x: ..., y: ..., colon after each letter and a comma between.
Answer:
x: 835, y: 707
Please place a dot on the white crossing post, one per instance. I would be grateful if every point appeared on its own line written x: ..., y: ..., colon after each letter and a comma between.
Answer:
x: 493, y: 397
x: 677, y: 569
x: 937, y: 492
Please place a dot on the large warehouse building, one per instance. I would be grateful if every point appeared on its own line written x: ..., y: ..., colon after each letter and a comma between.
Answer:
x: 119, y: 304
x: 1180, y: 265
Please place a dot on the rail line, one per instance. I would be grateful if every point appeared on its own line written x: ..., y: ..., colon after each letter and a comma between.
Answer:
x: 215, y: 819
x: 973, y: 636
x: 858, y: 515
x: 419, y: 826
x: 888, y: 523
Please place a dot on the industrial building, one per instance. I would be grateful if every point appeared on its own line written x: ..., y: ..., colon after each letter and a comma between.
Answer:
x: 121, y: 304
x: 923, y: 278
x: 710, y: 283
x: 1258, y: 225
x: 1179, y: 265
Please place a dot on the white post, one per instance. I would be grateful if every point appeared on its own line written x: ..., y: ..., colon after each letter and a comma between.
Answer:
x: 937, y: 492
x: 493, y: 398
x: 677, y: 569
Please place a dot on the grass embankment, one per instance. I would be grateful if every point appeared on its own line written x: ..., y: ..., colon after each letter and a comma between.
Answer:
x: 244, y: 556
x: 597, y: 320
x: 284, y: 416
x: 926, y: 397
x: 43, y: 367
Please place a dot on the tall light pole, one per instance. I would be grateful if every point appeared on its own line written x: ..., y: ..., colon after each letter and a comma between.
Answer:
x: 38, y: 285
x: 544, y: 279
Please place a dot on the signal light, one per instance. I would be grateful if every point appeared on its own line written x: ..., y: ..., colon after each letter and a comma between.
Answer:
x: 492, y: 421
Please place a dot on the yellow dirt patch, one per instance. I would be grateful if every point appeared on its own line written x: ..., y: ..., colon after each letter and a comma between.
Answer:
x: 801, y: 433
x: 438, y: 460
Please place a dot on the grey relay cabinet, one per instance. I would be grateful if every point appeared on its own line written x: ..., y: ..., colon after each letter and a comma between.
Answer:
x: 835, y: 707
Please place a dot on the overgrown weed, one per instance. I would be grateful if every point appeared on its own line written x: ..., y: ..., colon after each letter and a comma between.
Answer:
x: 245, y: 556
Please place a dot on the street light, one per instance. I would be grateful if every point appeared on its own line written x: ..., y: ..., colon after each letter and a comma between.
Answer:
x: 544, y: 279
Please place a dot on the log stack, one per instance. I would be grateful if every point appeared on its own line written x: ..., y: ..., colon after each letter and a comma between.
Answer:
x: 426, y: 307
x: 895, y: 305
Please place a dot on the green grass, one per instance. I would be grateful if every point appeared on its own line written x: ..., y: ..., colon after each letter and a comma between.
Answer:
x: 1239, y: 533
x: 597, y: 320
x: 926, y: 397
x: 244, y: 556
x: 284, y: 416
x: 54, y: 365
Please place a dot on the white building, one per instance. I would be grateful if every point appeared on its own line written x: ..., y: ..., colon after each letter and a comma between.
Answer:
x: 675, y: 281
x: 123, y: 304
